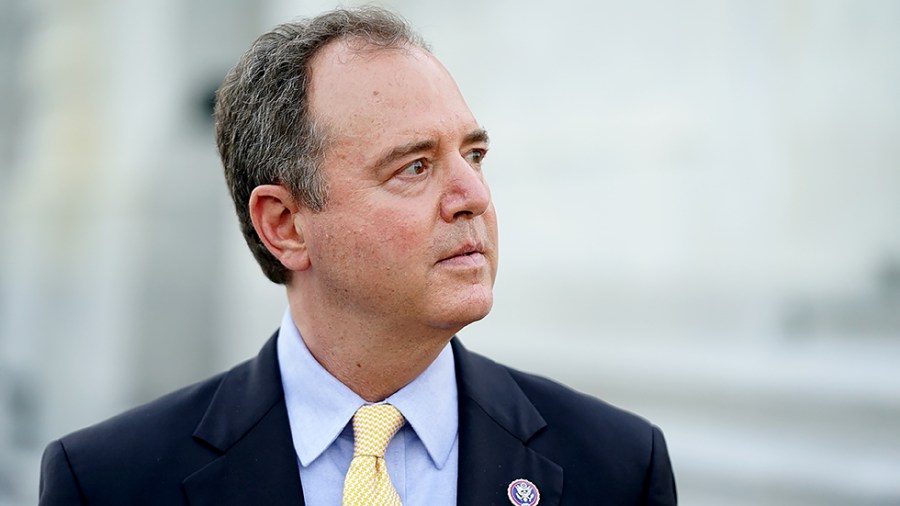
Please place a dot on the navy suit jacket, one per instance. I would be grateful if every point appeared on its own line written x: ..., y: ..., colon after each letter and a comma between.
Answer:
x: 227, y: 441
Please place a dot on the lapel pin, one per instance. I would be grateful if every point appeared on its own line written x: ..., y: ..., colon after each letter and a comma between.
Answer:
x: 522, y: 492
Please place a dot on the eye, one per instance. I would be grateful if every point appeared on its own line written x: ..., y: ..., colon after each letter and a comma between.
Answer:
x: 476, y: 156
x: 416, y: 168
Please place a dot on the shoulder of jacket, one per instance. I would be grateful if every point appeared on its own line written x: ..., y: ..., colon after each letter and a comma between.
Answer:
x: 557, y: 402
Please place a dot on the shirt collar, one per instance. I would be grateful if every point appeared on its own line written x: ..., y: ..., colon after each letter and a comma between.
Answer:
x: 429, y: 404
x: 319, y: 406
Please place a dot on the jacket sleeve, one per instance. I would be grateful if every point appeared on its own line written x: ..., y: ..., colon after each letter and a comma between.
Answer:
x: 659, y: 485
x: 58, y: 485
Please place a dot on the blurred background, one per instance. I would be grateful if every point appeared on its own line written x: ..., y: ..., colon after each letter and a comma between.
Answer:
x: 699, y: 207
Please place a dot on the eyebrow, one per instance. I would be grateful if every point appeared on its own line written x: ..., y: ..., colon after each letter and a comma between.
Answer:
x: 479, y: 135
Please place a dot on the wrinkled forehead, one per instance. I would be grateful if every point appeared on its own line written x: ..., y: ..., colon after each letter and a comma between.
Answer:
x: 355, y: 83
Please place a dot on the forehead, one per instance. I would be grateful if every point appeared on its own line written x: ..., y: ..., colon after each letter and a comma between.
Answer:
x: 366, y: 93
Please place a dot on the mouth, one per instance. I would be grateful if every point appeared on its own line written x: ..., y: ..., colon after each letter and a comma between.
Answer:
x: 468, y: 255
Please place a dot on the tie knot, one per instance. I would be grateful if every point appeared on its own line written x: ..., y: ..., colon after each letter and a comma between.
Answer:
x: 373, y: 427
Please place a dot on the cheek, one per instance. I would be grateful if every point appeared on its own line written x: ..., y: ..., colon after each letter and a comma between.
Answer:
x: 490, y: 219
x: 396, y: 236
x: 375, y: 238
x: 368, y: 231
x: 490, y: 226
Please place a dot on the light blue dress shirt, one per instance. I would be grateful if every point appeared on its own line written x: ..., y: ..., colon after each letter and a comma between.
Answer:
x: 422, y: 459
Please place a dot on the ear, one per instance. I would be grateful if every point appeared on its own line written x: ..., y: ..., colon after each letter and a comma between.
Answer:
x: 274, y: 214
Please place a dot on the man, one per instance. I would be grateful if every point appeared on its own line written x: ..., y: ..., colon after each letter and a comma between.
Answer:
x: 356, y: 170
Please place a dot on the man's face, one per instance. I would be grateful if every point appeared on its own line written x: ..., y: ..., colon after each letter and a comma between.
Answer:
x: 409, y: 235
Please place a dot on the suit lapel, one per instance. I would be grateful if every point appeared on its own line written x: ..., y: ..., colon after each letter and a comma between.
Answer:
x: 247, y: 423
x: 496, y: 421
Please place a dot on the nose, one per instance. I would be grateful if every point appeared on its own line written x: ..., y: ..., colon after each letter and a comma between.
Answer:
x: 466, y: 193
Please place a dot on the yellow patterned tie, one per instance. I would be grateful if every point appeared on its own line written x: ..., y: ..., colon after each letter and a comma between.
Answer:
x: 367, y: 482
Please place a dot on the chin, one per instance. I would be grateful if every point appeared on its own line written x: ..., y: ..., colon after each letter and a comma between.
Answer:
x: 465, y: 312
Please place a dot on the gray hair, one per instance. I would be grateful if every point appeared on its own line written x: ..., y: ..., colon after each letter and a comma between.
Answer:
x: 264, y: 129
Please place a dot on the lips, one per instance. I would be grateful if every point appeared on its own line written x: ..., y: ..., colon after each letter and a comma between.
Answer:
x: 467, y: 255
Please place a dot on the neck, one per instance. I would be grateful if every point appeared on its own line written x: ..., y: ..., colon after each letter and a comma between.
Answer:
x: 372, y: 358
